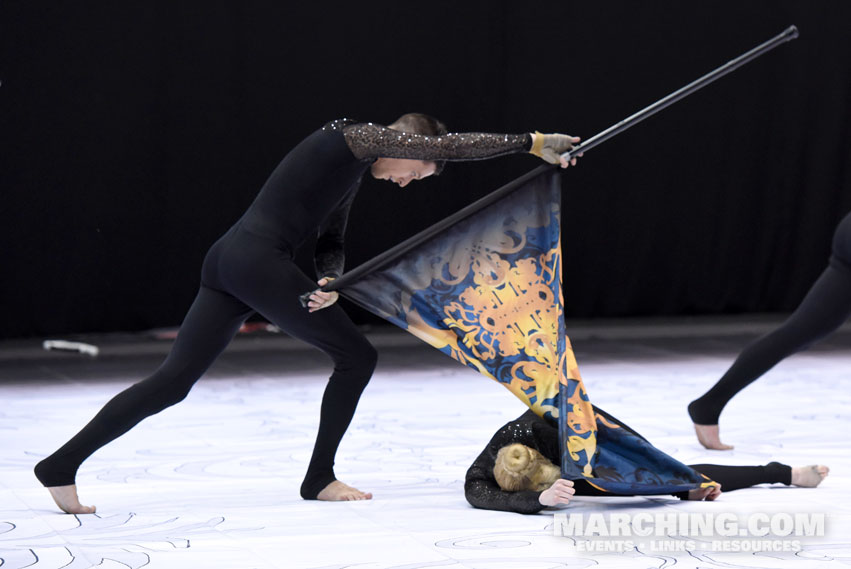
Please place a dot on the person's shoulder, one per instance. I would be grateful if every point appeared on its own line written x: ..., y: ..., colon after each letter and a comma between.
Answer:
x: 527, y: 417
x: 338, y: 124
x: 513, y: 429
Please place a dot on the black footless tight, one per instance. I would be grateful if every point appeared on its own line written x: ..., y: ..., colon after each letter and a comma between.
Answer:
x: 737, y: 477
x: 825, y: 308
x: 729, y: 477
x: 242, y: 274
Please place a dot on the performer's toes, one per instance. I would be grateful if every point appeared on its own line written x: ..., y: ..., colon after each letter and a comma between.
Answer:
x: 809, y: 476
x: 339, y: 492
x: 67, y: 500
x: 709, y: 437
x: 358, y: 495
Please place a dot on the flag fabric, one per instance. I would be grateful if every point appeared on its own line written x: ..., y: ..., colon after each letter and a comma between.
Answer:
x: 485, y: 288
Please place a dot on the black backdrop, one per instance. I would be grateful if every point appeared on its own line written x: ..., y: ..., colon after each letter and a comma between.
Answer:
x: 134, y: 133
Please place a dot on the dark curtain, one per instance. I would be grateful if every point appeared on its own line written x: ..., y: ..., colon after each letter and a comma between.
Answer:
x: 135, y: 133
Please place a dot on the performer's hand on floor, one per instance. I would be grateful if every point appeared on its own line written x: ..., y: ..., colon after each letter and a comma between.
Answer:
x: 559, y: 493
x: 706, y: 493
x: 320, y: 299
x: 714, y: 493
x: 550, y: 147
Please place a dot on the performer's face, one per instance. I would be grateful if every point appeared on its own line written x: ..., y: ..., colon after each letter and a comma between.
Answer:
x: 401, y: 170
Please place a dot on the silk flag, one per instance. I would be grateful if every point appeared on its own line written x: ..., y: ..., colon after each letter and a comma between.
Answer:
x: 485, y: 288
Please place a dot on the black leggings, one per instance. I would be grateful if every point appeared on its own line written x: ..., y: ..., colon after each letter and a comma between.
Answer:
x: 242, y: 274
x: 729, y: 477
x: 825, y: 308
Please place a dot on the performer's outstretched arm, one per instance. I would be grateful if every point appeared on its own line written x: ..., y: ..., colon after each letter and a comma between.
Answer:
x: 370, y: 141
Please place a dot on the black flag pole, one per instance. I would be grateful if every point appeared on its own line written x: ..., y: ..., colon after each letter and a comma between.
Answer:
x: 376, y: 262
x: 788, y: 34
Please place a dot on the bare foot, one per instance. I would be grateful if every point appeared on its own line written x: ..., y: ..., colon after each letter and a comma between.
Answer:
x: 709, y: 437
x: 67, y: 500
x: 340, y: 492
x: 809, y: 476
x: 707, y: 493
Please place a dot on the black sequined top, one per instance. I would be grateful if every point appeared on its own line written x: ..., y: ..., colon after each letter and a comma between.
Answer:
x: 370, y: 141
x: 480, y: 486
x: 313, y: 187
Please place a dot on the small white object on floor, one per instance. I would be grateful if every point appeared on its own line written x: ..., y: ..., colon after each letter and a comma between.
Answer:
x: 66, y: 346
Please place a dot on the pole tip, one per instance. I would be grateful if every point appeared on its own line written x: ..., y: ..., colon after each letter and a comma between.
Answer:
x: 791, y: 32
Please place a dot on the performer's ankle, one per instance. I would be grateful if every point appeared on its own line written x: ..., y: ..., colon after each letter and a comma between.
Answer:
x: 314, y: 483
x: 50, y: 474
x: 703, y: 414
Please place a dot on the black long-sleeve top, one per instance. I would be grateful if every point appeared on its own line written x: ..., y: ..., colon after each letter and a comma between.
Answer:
x: 482, y: 490
x: 313, y: 187
x: 480, y: 486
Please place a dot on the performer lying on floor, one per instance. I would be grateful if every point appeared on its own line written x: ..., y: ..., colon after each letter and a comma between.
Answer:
x: 516, y: 471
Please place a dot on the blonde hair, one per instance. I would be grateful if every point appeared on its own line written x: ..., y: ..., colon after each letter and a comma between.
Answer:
x: 519, y: 467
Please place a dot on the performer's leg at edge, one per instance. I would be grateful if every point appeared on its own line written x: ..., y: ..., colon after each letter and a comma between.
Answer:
x: 825, y: 308
x: 212, y: 321
x: 738, y: 477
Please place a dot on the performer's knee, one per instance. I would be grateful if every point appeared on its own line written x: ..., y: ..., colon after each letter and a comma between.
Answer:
x: 358, y: 362
x: 173, y: 396
x: 366, y: 359
x: 164, y: 389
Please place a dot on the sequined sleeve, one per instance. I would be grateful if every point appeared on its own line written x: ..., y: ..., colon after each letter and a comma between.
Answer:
x: 480, y: 487
x: 329, y: 256
x: 369, y: 141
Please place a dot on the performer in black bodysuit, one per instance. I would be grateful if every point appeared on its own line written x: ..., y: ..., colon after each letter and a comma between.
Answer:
x: 825, y: 308
x: 250, y: 269
x: 482, y: 489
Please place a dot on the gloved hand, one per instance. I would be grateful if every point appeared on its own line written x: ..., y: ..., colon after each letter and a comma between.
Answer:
x: 551, y: 146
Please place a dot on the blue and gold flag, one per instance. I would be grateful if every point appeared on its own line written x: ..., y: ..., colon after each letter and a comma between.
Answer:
x: 485, y: 288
